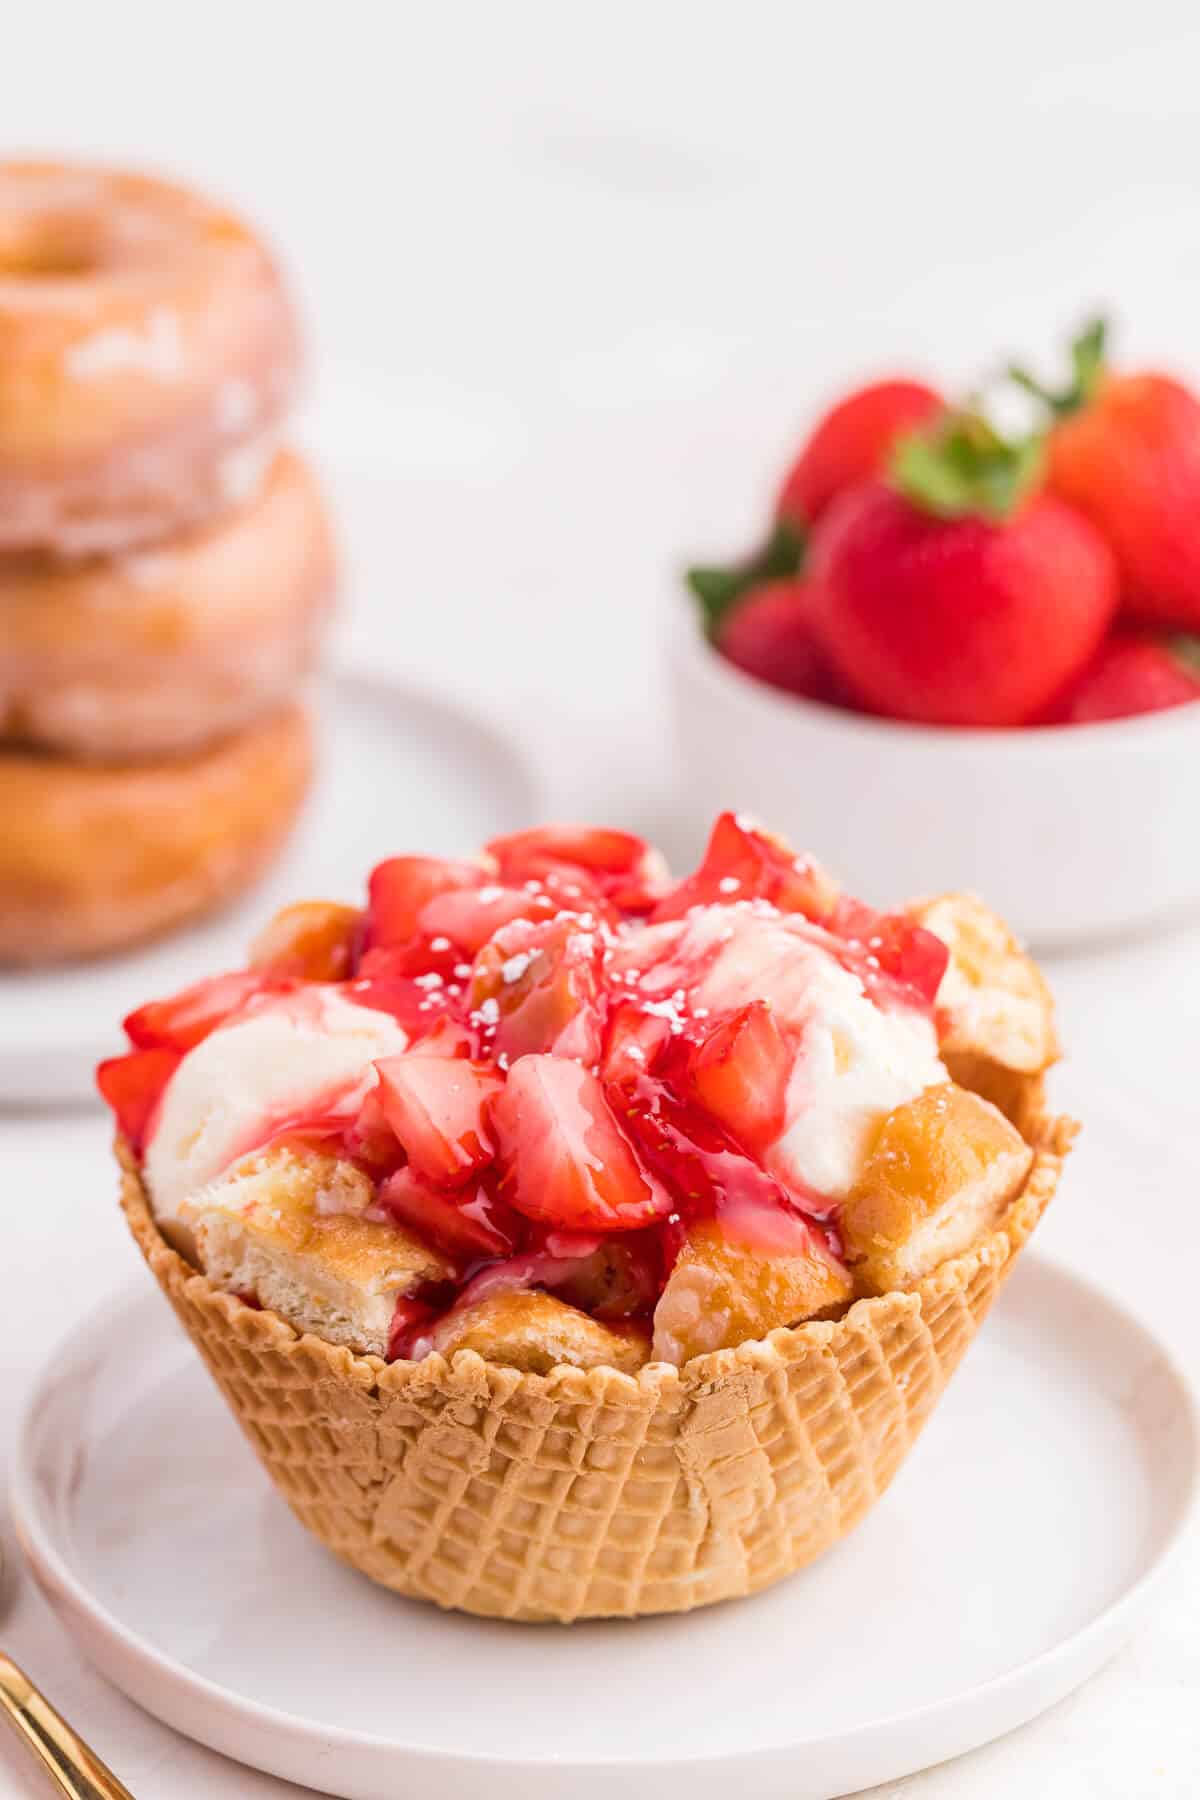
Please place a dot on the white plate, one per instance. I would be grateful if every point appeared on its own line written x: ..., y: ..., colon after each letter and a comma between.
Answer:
x: 1011, y: 1558
x: 399, y: 768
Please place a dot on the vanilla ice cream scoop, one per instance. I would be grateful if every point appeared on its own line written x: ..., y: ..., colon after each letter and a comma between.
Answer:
x: 298, y: 1055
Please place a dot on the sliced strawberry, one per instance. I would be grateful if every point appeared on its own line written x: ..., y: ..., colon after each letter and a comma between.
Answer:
x: 696, y: 1158
x: 567, y: 1160
x: 437, y: 1105
x: 470, y: 917
x: 621, y: 867
x: 898, y: 961
x: 544, y: 982
x: 739, y: 1073
x: 314, y: 940
x: 743, y: 863
x: 399, y: 890
x: 183, y: 1021
x: 636, y: 1041
x: 369, y: 1138
x: 467, y: 1223
x: 133, y: 1086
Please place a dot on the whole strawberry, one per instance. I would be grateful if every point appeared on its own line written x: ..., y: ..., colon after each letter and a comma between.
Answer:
x: 769, y: 633
x: 957, y: 593
x: 851, y: 443
x: 1125, y: 450
x: 1134, y: 672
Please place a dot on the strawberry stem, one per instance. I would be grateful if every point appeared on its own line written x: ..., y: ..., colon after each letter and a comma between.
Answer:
x: 1088, y: 363
x: 718, y: 589
x: 965, y: 467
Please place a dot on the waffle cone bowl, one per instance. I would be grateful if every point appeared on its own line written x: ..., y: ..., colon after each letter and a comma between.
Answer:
x: 590, y: 1494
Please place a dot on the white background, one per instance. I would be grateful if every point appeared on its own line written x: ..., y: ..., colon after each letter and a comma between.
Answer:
x: 533, y: 239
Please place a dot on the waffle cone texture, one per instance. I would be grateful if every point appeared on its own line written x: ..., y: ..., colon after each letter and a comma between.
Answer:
x: 586, y: 1494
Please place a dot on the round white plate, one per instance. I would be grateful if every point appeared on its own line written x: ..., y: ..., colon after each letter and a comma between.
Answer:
x: 1010, y: 1559
x: 399, y: 768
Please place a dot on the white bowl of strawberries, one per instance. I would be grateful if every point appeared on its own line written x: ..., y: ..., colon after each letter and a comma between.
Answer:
x: 963, y: 660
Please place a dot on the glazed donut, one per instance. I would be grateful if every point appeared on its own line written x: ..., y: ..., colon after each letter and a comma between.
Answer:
x: 159, y: 651
x: 149, y: 351
x: 94, y: 858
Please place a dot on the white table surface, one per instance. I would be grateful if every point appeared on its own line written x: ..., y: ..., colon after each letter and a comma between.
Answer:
x: 530, y: 238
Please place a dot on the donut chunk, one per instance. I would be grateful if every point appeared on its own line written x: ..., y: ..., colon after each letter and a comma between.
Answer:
x: 161, y: 651
x: 995, y: 1012
x: 533, y: 1331
x: 288, y: 1229
x: 941, y: 1170
x: 149, y: 352
x: 722, y: 1291
x: 96, y: 857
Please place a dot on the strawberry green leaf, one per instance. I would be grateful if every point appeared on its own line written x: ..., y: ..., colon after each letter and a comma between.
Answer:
x: 718, y: 588
x: 965, y: 467
x: 1088, y: 363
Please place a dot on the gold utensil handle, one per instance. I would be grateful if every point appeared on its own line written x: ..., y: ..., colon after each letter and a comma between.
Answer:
x: 75, y: 1770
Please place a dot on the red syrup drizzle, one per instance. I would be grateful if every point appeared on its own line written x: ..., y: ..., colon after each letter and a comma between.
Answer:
x: 639, y: 1027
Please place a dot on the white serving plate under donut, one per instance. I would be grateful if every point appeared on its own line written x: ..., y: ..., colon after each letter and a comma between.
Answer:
x: 1014, y: 1554
x: 399, y: 768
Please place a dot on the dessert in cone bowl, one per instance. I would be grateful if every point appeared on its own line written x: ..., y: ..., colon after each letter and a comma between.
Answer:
x: 573, y: 1243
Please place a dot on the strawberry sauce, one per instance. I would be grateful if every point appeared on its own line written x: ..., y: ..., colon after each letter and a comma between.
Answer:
x: 595, y: 1061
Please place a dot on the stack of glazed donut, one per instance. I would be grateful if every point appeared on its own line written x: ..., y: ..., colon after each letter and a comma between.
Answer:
x: 166, y: 567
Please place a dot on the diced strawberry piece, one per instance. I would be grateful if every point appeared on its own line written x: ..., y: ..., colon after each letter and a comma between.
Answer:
x: 636, y: 1041
x: 370, y: 1140
x: 567, y: 1160
x: 470, y: 917
x: 436, y: 1105
x: 399, y: 890
x: 739, y: 1073
x: 743, y: 863
x: 133, y: 1085
x: 544, y: 982
x: 183, y: 1021
x: 898, y: 961
x: 467, y: 1223
x: 314, y: 940
x: 622, y: 868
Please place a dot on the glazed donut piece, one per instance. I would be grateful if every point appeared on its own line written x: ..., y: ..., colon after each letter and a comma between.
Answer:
x: 159, y: 651
x: 996, y: 1026
x: 95, y: 858
x: 287, y: 1227
x: 149, y: 351
x: 941, y: 1171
